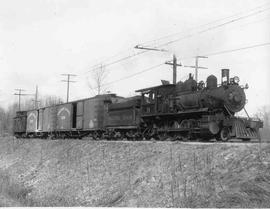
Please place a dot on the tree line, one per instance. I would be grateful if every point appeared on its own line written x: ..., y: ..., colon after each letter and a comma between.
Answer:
x: 263, y: 113
x: 7, y: 114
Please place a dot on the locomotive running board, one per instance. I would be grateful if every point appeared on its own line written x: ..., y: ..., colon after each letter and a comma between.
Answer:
x: 178, y: 113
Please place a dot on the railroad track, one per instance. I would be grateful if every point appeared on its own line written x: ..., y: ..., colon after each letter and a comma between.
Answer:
x: 212, y: 141
x: 232, y: 141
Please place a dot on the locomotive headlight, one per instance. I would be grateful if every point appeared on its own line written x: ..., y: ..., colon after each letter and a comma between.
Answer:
x: 236, y: 79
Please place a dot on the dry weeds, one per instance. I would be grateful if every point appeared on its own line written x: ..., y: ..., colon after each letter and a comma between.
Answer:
x: 147, y: 174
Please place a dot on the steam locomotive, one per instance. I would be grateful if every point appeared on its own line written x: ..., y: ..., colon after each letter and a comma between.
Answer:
x: 183, y: 111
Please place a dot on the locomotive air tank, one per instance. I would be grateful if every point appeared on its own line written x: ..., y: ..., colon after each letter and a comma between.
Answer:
x: 228, y: 95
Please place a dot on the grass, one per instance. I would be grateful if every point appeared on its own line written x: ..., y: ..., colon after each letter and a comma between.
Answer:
x: 13, y: 191
x: 167, y: 174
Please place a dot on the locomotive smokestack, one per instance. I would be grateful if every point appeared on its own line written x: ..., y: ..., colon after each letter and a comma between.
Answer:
x: 225, y: 76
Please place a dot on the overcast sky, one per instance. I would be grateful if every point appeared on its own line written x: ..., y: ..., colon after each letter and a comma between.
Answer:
x: 41, y: 39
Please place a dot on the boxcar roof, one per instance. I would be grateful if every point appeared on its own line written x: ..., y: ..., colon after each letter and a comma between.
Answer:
x: 70, y: 102
x: 155, y: 87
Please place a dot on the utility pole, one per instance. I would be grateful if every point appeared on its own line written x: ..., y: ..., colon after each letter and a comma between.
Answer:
x: 197, y: 66
x: 174, y: 64
x: 19, y: 93
x: 68, y: 81
x: 36, y: 98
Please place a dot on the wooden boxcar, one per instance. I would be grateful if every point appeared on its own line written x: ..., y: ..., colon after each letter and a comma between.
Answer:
x: 19, y: 125
x: 69, y: 119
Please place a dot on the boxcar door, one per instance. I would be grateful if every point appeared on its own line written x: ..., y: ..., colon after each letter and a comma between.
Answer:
x: 40, y: 119
x: 79, y: 115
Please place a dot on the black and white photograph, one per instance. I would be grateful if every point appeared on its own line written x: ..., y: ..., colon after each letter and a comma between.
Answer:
x: 135, y: 103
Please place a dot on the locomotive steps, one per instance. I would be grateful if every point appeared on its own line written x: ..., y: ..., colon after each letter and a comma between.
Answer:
x: 38, y: 172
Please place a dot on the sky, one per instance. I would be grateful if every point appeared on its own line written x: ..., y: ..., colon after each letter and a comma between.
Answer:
x: 42, y: 39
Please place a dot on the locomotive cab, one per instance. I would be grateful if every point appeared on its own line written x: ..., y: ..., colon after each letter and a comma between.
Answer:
x: 156, y: 100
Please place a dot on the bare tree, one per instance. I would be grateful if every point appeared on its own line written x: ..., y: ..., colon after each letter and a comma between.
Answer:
x: 2, y: 120
x: 99, y: 76
x: 50, y: 100
x: 28, y: 104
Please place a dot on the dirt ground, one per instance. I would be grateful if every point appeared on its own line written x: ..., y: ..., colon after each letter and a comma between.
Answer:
x: 37, y: 172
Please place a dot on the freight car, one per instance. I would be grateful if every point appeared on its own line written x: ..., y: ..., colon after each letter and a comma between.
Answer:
x: 183, y: 111
x: 68, y: 120
x: 19, y: 124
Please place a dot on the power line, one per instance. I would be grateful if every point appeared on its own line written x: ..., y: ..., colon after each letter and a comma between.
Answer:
x: 190, y: 35
x: 234, y: 50
x: 110, y: 57
x: 199, y: 26
x: 119, y: 60
x: 214, y: 27
x: 68, y: 81
x: 132, y: 75
x: 209, y: 54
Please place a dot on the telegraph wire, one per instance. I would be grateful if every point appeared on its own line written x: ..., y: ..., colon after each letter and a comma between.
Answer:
x: 209, y: 54
x: 185, y: 37
x: 102, y: 60
x: 214, y: 27
x: 182, y: 38
x: 94, y: 67
x: 116, y: 61
x: 249, y: 23
x: 239, y: 49
x: 132, y: 75
x: 199, y: 26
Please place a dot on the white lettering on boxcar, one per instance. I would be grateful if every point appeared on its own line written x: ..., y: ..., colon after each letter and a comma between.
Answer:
x: 62, y: 110
x: 32, y: 114
x: 91, y: 124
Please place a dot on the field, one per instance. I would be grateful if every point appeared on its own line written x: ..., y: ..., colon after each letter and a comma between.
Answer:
x: 37, y: 172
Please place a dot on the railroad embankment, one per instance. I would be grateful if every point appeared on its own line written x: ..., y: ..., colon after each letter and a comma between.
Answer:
x: 36, y: 172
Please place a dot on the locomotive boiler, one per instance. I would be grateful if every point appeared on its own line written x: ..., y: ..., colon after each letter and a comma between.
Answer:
x: 228, y: 95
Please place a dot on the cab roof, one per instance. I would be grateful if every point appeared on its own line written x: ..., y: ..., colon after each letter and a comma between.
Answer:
x: 155, y: 87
